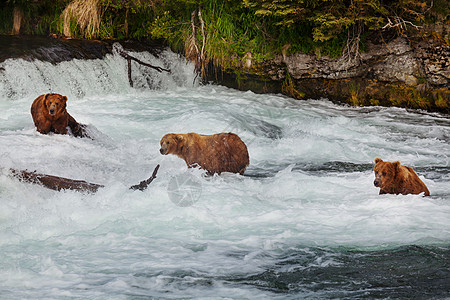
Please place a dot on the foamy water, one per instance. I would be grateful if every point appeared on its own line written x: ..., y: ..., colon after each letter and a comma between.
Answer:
x: 304, y: 222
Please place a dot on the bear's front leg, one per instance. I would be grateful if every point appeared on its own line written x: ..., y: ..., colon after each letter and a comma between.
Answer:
x: 60, y: 129
x: 60, y: 126
x: 78, y: 129
x: 44, y: 127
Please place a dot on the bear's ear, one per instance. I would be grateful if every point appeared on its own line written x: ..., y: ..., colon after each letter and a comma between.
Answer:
x: 378, y: 160
x: 64, y: 98
x: 46, y: 99
x: 179, y: 137
x: 397, y: 165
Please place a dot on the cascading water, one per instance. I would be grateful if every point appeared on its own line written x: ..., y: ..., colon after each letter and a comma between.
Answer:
x: 304, y: 222
x: 79, y: 78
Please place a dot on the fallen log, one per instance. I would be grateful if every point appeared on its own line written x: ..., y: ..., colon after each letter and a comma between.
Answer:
x: 60, y: 183
x: 55, y: 182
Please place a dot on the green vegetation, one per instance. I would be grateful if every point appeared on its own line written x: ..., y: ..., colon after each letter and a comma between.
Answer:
x: 354, y: 91
x: 224, y: 32
x: 35, y: 17
x: 288, y: 88
x: 404, y: 96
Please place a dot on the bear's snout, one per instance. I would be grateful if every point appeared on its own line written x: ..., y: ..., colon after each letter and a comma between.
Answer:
x: 377, y: 182
x: 163, y: 151
x: 52, y: 109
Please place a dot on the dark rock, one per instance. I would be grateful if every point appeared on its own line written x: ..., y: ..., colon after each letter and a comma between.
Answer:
x: 56, y: 50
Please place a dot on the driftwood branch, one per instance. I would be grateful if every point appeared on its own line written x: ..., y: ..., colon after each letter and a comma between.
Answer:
x: 193, y: 36
x: 129, y: 72
x: 202, y: 23
x: 130, y: 58
x: 60, y: 183
x: 127, y: 56
x: 144, y: 184
x: 202, y: 53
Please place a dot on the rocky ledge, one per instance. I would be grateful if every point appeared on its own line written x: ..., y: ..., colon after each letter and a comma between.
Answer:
x: 411, y: 73
x: 56, y: 50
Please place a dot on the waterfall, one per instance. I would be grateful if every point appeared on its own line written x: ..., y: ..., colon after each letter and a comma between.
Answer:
x: 78, y: 78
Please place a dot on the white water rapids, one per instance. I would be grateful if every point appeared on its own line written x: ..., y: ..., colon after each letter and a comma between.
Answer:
x: 307, y: 200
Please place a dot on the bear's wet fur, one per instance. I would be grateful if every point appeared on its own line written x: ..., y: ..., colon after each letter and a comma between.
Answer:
x: 50, y: 115
x: 393, y: 178
x: 216, y: 153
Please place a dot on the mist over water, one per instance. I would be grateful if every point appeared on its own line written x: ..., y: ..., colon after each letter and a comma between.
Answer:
x: 304, y: 222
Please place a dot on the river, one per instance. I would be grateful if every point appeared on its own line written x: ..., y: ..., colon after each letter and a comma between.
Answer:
x: 305, y: 221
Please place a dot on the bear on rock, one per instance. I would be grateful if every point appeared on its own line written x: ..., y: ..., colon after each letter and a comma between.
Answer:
x: 50, y: 115
x: 217, y: 153
x: 393, y: 178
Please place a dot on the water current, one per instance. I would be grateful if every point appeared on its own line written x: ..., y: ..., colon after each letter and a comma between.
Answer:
x: 305, y: 221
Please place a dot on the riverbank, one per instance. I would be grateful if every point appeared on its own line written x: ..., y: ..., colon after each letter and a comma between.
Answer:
x: 409, y: 73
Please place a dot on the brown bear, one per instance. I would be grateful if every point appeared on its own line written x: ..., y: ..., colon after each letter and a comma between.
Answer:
x: 393, y: 178
x: 50, y: 115
x: 217, y: 153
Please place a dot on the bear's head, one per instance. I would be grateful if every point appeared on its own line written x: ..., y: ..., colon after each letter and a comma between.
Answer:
x: 171, y: 143
x: 55, y: 103
x: 385, y: 172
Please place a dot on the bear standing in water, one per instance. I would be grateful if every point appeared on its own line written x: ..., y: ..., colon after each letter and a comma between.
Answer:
x: 217, y: 153
x: 50, y: 115
x: 393, y: 178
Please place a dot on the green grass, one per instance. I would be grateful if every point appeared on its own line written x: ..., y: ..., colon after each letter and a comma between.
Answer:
x: 6, y: 20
